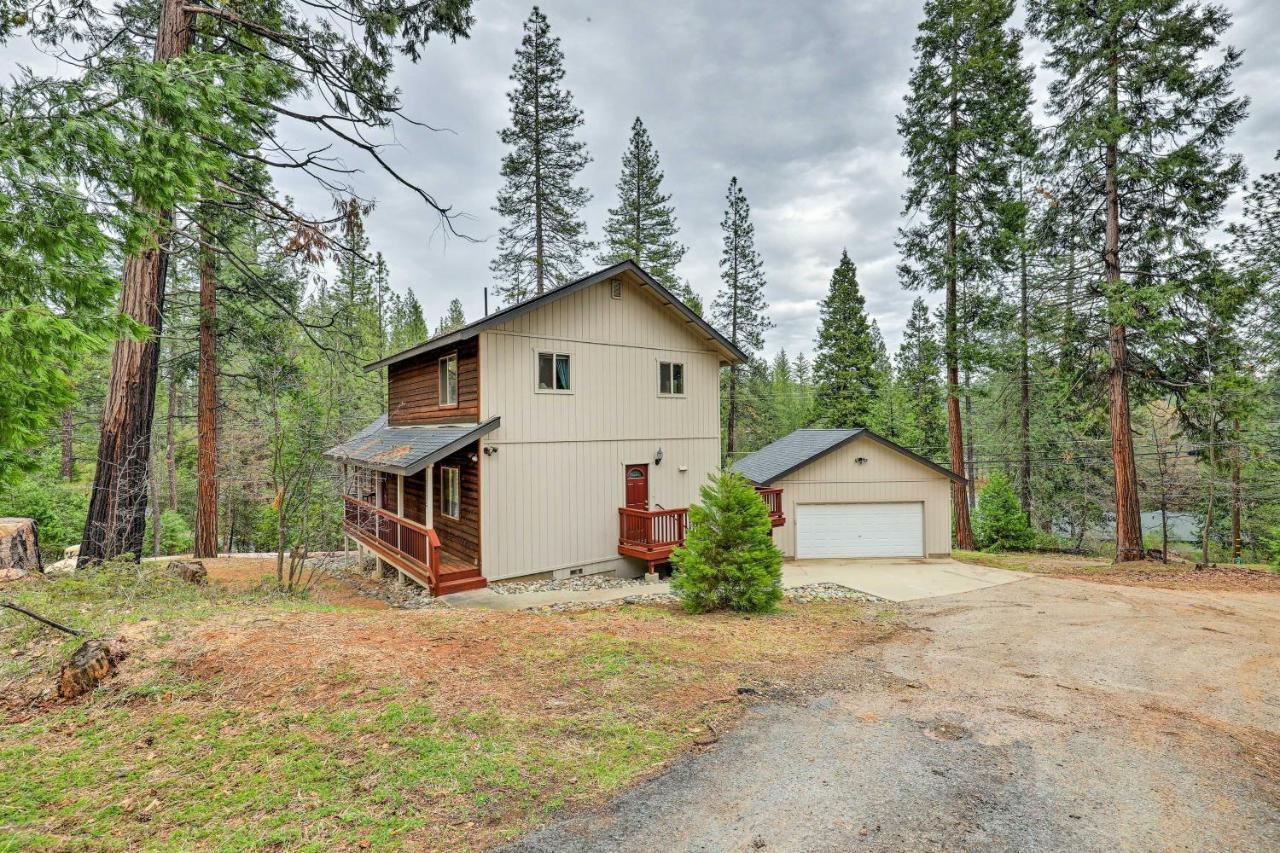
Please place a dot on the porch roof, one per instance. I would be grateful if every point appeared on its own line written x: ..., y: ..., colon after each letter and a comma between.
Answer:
x: 406, y: 449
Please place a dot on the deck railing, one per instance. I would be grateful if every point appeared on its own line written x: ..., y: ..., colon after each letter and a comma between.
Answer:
x: 652, y: 529
x: 415, y: 544
x: 773, y: 500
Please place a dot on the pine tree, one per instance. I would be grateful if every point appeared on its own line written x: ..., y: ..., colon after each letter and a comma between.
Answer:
x: 919, y: 371
x: 999, y: 522
x: 406, y: 326
x: 542, y: 244
x: 846, y: 376
x: 728, y: 559
x: 739, y: 307
x: 965, y: 119
x: 643, y: 225
x: 1142, y: 115
x: 453, y: 318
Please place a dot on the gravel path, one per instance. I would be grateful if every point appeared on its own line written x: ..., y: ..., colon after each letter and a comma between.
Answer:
x: 1041, y: 715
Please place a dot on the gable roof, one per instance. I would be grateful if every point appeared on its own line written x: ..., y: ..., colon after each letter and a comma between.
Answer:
x: 406, y: 449
x: 792, y: 452
x: 718, y: 341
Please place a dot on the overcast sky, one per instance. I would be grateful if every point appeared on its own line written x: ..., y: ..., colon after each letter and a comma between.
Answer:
x: 797, y: 100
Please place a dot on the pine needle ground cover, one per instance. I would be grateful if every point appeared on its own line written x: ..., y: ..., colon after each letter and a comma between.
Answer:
x: 247, y: 720
x: 1174, y: 575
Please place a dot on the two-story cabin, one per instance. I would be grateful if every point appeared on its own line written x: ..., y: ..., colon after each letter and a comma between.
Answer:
x: 566, y: 434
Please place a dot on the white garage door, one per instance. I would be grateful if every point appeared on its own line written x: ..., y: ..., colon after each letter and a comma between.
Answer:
x: 860, y: 530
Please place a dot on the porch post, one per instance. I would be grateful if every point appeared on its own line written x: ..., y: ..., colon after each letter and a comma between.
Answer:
x: 429, y: 474
x: 378, y: 565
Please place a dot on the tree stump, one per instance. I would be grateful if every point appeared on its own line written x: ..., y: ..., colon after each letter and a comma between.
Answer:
x: 90, y: 664
x: 192, y: 571
x: 19, y: 548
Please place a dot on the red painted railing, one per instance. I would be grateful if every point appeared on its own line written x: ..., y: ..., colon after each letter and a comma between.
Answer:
x: 773, y: 500
x: 652, y: 528
x: 414, y: 544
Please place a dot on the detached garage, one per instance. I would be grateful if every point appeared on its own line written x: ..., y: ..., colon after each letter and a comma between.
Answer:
x: 850, y: 493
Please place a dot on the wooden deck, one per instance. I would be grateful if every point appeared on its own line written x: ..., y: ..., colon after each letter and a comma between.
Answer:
x: 652, y: 534
x: 410, y: 547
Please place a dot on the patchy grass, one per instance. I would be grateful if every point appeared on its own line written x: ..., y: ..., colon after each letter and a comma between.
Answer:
x: 247, y: 720
x: 1173, y: 575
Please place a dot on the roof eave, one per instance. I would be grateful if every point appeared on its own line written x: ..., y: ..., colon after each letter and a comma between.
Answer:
x: 731, y: 353
x: 482, y: 429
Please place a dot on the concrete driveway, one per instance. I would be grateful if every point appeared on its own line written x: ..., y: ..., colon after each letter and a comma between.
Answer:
x: 1042, y: 715
x: 901, y: 579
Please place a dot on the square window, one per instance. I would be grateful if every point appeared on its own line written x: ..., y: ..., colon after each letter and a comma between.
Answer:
x: 670, y: 378
x: 449, y: 380
x: 450, y: 492
x: 553, y: 372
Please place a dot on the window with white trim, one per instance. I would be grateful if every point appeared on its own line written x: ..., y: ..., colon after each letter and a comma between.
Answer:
x: 450, y: 492
x: 671, y: 378
x: 553, y: 372
x: 449, y: 380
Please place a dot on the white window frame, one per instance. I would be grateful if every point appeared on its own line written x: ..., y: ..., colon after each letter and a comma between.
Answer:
x: 537, y: 372
x: 442, y: 371
x: 684, y: 379
x: 451, y: 475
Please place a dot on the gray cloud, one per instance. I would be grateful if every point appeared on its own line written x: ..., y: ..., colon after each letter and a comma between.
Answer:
x: 799, y: 101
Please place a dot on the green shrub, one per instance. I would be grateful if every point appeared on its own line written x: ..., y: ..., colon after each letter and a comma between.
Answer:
x: 728, y: 559
x: 175, y: 534
x: 59, y: 510
x: 998, y: 522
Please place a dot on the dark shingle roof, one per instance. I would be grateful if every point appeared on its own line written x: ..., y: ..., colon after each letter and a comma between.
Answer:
x: 406, y: 449
x: 790, y: 452
x: 774, y: 461
x: 665, y: 296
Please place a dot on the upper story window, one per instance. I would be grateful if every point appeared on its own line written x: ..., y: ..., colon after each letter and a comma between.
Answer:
x: 671, y: 378
x: 553, y: 372
x: 449, y: 380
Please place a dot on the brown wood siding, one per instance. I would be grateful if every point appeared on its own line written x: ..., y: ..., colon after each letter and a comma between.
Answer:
x: 460, y: 537
x: 389, y: 493
x: 413, y: 392
x: 415, y: 497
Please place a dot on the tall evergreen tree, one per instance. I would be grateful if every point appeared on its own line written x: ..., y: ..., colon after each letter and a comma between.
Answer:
x: 544, y: 240
x: 739, y: 307
x: 846, y: 375
x: 643, y: 225
x: 1143, y: 110
x: 406, y: 326
x: 919, y: 372
x: 453, y: 318
x: 965, y: 118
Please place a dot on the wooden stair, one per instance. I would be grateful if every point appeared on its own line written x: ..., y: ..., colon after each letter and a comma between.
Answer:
x: 458, y: 577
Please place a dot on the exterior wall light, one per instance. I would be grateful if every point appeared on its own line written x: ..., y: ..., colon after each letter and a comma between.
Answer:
x: 657, y: 457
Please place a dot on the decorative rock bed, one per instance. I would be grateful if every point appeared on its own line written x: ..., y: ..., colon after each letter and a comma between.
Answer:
x: 578, y: 583
x: 808, y: 594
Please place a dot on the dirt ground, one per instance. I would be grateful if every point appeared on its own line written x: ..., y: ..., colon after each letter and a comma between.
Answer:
x: 238, y: 573
x: 1045, y: 714
x: 1147, y: 573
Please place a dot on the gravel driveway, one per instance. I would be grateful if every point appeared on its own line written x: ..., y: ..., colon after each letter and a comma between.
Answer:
x: 1040, y: 715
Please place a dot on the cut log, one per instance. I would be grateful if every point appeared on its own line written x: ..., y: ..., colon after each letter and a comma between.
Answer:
x: 192, y: 571
x: 90, y: 664
x: 19, y: 548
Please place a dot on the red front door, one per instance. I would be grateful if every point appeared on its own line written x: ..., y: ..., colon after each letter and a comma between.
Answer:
x: 637, y: 486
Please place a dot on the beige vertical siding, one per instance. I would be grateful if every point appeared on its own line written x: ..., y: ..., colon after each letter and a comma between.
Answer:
x: 886, y: 477
x: 552, y: 490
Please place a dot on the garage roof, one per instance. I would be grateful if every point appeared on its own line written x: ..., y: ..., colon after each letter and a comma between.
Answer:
x: 776, y: 460
x: 406, y: 449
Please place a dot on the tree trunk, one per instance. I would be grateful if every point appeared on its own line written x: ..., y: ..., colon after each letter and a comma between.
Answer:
x: 170, y: 461
x: 731, y: 445
x: 1208, y: 513
x: 955, y: 433
x: 116, y: 520
x: 970, y: 465
x: 1024, y: 398
x: 206, y: 539
x: 67, y: 471
x: 1128, y: 509
x: 155, y: 509
x: 1237, y: 544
